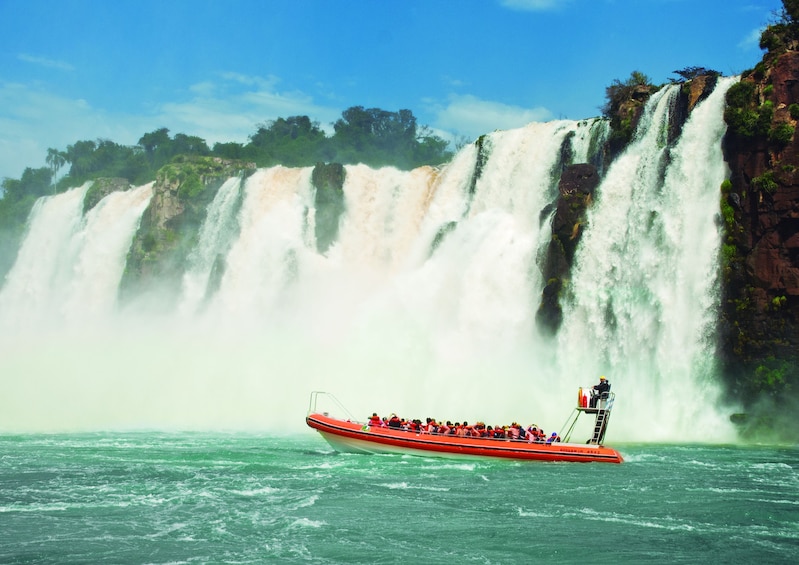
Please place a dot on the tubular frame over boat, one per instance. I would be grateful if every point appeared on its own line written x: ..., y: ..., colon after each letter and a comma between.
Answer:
x: 349, y: 435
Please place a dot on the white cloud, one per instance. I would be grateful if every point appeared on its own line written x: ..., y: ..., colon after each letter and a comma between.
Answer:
x: 231, y: 108
x: 45, y: 62
x: 32, y: 120
x: 469, y: 116
x: 226, y: 108
x: 532, y: 5
x: 752, y: 40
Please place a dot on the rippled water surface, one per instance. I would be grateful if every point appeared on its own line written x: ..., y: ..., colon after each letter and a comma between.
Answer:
x: 210, y: 498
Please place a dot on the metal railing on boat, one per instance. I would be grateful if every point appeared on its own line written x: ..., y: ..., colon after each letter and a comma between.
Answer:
x: 313, y: 404
x: 590, y: 402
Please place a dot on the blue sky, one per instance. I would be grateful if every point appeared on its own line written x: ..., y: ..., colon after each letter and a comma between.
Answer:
x: 116, y: 69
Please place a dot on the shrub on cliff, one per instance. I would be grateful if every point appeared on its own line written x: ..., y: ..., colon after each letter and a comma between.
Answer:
x: 742, y: 114
x: 784, y: 34
x: 624, y: 101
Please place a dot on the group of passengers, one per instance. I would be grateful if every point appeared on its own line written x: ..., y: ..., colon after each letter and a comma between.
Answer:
x: 532, y: 434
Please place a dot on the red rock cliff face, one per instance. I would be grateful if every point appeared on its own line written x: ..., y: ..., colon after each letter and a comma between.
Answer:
x: 760, y: 318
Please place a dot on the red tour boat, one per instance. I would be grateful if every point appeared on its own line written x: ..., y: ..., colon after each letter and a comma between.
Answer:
x: 350, y: 436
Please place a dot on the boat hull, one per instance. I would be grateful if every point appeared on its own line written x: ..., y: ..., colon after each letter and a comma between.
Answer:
x: 354, y: 437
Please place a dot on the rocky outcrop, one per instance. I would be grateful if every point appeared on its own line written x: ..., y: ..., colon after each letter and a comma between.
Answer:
x: 760, y: 208
x: 182, y: 192
x: 101, y: 188
x: 624, y: 115
x: 328, y: 180
x: 578, y: 182
x: 575, y: 195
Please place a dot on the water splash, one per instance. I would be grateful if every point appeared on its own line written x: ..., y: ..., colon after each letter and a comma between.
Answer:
x: 423, y: 306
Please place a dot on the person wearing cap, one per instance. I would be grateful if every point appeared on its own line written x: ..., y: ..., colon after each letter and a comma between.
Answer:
x: 553, y: 438
x: 601, y: 390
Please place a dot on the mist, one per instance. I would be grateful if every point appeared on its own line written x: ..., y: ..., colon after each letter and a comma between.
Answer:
x: 384, y: 319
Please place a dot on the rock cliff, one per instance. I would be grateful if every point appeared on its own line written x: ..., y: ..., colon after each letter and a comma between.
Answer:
x: 760, y: 206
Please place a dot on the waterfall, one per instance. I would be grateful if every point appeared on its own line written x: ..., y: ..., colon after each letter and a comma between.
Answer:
x: 644, y: 292
x: 214, y: 240
x: 69, y: 266
x: 424, y: 304
x: 35, y: 284
x: 103, y: 244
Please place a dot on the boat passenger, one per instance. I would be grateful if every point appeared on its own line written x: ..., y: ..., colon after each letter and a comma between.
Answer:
x: 375, y: 420
x: 394, y: 421
x: 431, y: 427
x: 553, y: 438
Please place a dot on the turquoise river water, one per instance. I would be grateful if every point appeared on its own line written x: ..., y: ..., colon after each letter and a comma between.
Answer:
x: 215, y: 498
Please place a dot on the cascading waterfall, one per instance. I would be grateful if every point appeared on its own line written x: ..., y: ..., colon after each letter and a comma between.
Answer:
x: 34, y: 287
x: 424, y: 305
x: 69, y: 267
x: 644, y: 293
x: 214, y: 239
x: 103, y: 243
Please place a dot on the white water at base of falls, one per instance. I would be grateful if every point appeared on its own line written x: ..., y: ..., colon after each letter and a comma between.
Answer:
x: 384, y: 320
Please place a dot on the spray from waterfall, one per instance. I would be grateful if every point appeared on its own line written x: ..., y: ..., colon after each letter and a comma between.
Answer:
x: 424, y: 304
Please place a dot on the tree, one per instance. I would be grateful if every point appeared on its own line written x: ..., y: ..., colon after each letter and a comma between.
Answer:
x: 228, y: 150
x: 153, y: 140
x: 55, y: 159
x: 293, y: 141
x: 620, y: 91
x: 32, y: 184
x: 690, y: 73
x: 81, y: 158
x: 784, y: 33
x: 790, y: 11
x: 376, y: 137
x: 183, y: 144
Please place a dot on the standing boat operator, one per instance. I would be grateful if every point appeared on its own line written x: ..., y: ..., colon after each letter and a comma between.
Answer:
x: 600, y: 390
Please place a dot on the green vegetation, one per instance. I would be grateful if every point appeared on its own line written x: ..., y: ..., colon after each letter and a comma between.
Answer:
x: 784, y: 33
x: 765, y: 182
x: 781, y: 134
x: 622, y: 100
x: 621, y: 91
x: 372, y: 136
x: 770, y: 376
x: 778, y: 302
x: 690, y: 73
x: 745, y: 117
